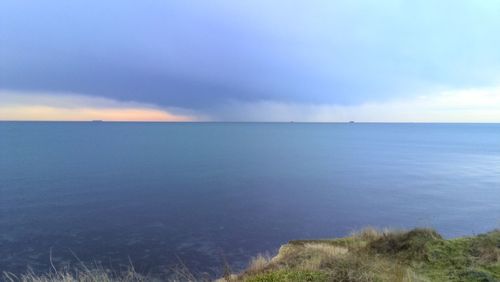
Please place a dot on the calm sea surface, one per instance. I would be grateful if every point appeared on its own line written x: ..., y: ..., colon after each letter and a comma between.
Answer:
x: 203, y: 193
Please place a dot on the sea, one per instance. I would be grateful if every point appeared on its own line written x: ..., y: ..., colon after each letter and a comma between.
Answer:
x: 209, y: 196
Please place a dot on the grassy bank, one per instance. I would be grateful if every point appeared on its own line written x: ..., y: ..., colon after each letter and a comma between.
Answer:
x: 369, y: 255
x: 372, y: 255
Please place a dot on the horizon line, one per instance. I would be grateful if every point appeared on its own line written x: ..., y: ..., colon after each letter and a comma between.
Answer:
x: 287, y: 122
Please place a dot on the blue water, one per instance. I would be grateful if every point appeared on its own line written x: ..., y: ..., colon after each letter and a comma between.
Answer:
x: 205, y: 193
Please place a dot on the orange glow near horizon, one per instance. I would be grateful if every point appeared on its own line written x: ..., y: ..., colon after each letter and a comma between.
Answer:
x: 50, y: 113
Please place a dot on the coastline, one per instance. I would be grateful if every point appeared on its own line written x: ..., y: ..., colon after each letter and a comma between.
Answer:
x: 368, y: 255
x: 373, y: 255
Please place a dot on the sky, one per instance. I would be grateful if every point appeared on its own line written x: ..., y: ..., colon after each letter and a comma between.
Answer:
x: 250, y: 60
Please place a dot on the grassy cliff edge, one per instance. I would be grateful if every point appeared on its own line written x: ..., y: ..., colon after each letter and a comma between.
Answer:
x: 373, y: 255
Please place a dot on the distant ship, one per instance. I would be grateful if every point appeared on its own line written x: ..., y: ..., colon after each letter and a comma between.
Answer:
x: 351, y: 121
x: 97, y: 120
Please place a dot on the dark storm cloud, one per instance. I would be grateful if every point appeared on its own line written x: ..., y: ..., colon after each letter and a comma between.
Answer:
x: 162, y: 88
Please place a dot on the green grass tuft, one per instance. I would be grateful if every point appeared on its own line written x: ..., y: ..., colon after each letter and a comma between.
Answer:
x: 412, y: 245
x: 289, y: 276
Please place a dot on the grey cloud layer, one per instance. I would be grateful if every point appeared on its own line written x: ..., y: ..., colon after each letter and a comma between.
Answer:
x: 198, y: 55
